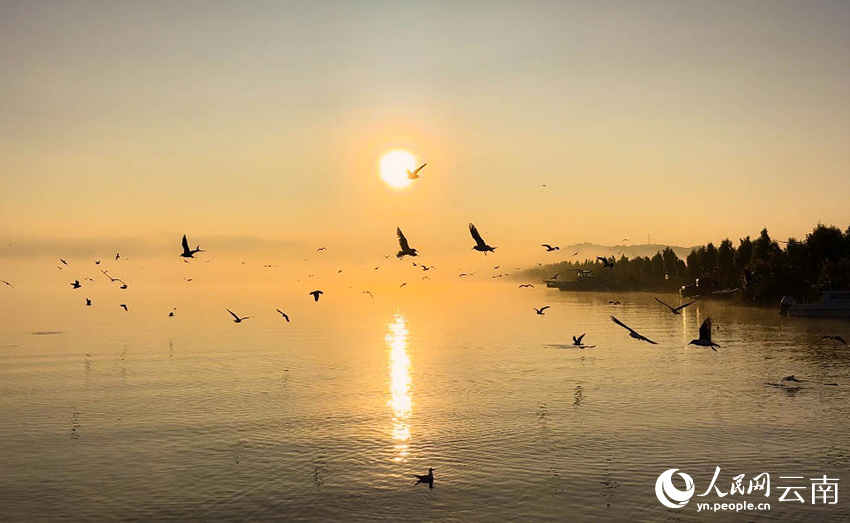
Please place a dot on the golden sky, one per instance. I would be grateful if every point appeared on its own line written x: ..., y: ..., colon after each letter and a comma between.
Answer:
x: 265, y: 121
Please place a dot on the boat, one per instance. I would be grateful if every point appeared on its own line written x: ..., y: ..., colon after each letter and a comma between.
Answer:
x: 833, y: 304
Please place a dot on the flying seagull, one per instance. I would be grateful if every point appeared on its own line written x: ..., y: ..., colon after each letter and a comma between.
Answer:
x: 321, y: 249
x: 187, y: 252
x: 236, y: 319
x: 549, y: 248
x: 369, y: 293
x: 124, y: 306
x: 577, y: 341
x: 480, y: 245
x: 704, y: 339
x: 526, y: 285
x: 402, y: 285
x: 675, y: 310
x: 606, y: 263
x: 425, y: 478
x: 405, y: 247
x: 541, y: 311
x: 63, y: 261
x: 117, y: 255
x: 285, y: 316
x: 76, y: 284
x: 415, y: 174
x: 836, y: 338
x: 633, y: 333
x: 97, y: 262
x: 7, y: 283
x: 88, y: 302
x: 316, y: 295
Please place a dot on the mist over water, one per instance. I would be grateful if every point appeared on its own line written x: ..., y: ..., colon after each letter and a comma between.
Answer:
x: 137, y: 415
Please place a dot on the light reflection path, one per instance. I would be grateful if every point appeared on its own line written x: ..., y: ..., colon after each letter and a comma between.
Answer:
x: 400, y: 401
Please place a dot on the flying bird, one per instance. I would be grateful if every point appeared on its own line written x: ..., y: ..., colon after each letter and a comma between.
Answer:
x: 555, y: 277
x: 613, y: 302
x: 633, y: 333
x: 117, y: 255
x: 425, y: 478
x: 405, y: 247
x: 836, y: 338
x: 577, y: 341
x: 549, y: 248
x: 285, y: 316
x: 316, y: 295
x: 575, y: 253
x: 88, y: 302
x: 76, y: 284
x: 606, y: 263
x: 321, y: 249
x: 480, y: 245
x: 541, y: 311
x: 63, y: 261
x: 412, y: 175
x: 402, y: 285
x: 526, y: 285
x: 369, y: 293
x: 704, y: 339
x: 124, y: 306
x: 170, y: 314
x: 7, y: 283
x: 187, y: 252
x: 236, y: 319
x: 675, y: 310
x: 97, y: 262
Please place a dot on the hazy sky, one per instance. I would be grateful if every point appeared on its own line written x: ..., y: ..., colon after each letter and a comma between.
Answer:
x: 687, y: 120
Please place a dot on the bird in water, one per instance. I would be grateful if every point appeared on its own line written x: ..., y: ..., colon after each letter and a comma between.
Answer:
x: 541, y: 311
x: 480, y: 245
x: 76, y: 284
x: 704, y: 339
x: 88, y: 302
x: 525, y: 285
x: 674, y: 310
x: 425, y: 478
x: 606, y: 263
x: 577, y: 341
x: 633, y: 333
x: 412, y: 175
x: 124, y: 306
x: 285, y: 316
x: 792, y: 378
x: 405, y: 247
x: 187, y: 252
x: 236, y: 319
x: 549, y: 248
x: 316, y: 295
x: 836, y: 338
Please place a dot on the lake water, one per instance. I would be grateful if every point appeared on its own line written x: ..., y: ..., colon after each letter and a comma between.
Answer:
x: 138, y: 416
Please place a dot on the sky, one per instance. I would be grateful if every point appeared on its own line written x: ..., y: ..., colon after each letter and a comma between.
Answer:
x: 263, y: 123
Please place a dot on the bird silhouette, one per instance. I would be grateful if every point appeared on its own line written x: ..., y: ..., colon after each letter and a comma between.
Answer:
x: 88, y: 302
x: 613, y: 302
x: 541, y: 311
x: 836, y: 338
x: 480, y: 245
x: 577, y: 341
x: 704, y: 339
x: 187, y: 252
x: 405, y: 247
x: 412, y: 175
x: 237, y: 319
x: 7, y: 283
x: 526, y: 285
x: 633, y: 333
x: 369, y: 293
x: 285, y: 316
x: 792, y: 378
x: 321, y: 249
x: 97, y: 262
x: 402, y: 285
x: 76, y: 284
x: 575, y: 253
x: 425, y: 478
x: 124, y: 306
x: 675, y: 310
x: 316, y: 295
x: 606, y: 263
x: 63, y: 261
x: 117, y: 255
x: 170, y: 314
x: 549, y: 248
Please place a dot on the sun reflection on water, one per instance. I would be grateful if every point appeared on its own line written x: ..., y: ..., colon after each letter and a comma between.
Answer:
x: 400, y: 401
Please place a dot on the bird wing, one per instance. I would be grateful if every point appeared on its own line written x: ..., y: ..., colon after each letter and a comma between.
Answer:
x: 705, y: 330
x: 839, y: 338
x: 680, y: 307
x: 419, y: 168
x: 232, y: 313
x: 546, y: 245
x: 475, y: 236
x: 579, y: 338
x: 662, y: 303
x: 402, y: 241
x: 185, y: 244
x: 544, y: 308
x: 621, y: 324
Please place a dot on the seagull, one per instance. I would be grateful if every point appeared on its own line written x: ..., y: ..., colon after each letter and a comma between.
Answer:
x: 76, y: 284
x: 496, y: 267
x: 606, y: 263
x: 117, y: 255
x: 405, y: 248
x: 526, y: 285
x: 285, y: 316
x: 575, y: 253
x: 634, y: 334
x: 88, y: 302
x: 402, y: 285
x: 236, y: 319
x: 97, y: 262
x: 792, y: 378
x: 461, y: 275
x: 613, y: 302
x: 577, y: 341
x: 479, y: 242
x: 549, y: 248
x: 369, y: 293
x: 555, y: 277
x: 170, y: 314
x: 541, y: 311
x: 836, y: 338
x: 124, y: 306
x: 704, y: 339
x: 7, y: 283
x: 316, y: 295
x: 412, y: 175
x: 321, y: 249
x: 675, y: 310
x: 63, y: 261
x: 187, y: 252
x: 425, y: 478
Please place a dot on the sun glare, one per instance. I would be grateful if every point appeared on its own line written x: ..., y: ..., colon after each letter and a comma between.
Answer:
x: 394, y: 167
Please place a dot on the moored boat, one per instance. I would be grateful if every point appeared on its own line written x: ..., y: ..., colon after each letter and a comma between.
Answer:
x: 833, y: 304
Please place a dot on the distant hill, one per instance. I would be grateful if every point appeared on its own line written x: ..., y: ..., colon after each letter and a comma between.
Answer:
x: 592, y: 250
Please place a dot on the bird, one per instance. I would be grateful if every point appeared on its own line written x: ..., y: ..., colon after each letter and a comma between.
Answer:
x: 285, y: 316
x: 236, y: 319
x: 675, y: 310
x: 316, y: 295
x: 541, y: 311
x: 76, y: 284
x: 321, y: 249
x: 792, y: 378
x: 187, y: 252
x: 402, y: 285
x: 526, y: 285
x: 369, y: 293
x: 117, y: 255
x: 7, y: 283
x: 577, y: 341
x: 405, y: 247
x: 496, y: 267
x: 124, y: 306
x: 575, y: 253
x: 170, y: 314
x: 63, y: 261
x: 412, y: 175
x: 704, y: 339
x: 606, y: 263
x: 461, y: 275
x: 425, y: 478
x: 836, y: 338
x: 88, y: 302
x: 97, y: 262
x: 633, y: 333
x: 613, y: 302
x: 549, y: 248
x: 480, y: 245
x: 123, y: 285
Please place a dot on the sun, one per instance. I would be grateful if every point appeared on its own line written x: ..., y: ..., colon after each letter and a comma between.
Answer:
x: 394, y: 167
